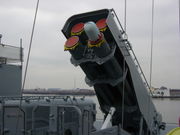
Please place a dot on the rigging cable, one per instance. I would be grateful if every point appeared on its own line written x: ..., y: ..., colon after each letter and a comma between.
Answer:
x: 123, y: 88
x: 30, y: 45
x: 152, y: 39
x: 125, y: 9
x: 123, y: 98
x: 151, y: 60
x: 179, y: 18
x: 27, y: 63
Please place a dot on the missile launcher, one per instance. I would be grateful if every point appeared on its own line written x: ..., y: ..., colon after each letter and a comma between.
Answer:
x: 111, y: 67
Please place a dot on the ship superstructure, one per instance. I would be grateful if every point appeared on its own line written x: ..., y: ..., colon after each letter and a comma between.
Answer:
x: 10, y: 69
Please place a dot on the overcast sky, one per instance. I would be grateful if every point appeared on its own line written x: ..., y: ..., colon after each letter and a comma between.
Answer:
x: 50, y: 66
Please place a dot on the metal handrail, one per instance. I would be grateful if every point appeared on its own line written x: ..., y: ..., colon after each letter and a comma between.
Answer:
x: 136, y: 60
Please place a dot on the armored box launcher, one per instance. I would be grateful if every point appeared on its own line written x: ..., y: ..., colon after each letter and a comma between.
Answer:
x: 97, y: 44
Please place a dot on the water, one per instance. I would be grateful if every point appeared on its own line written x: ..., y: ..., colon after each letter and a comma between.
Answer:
x: 169, y: 108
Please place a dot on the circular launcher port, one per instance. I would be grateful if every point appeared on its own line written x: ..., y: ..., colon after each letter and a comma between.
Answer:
x: 77, y: 29
x: 71, y: 43
x: 101, y: 24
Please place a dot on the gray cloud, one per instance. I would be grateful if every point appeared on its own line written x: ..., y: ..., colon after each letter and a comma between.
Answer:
x: 49, y: 64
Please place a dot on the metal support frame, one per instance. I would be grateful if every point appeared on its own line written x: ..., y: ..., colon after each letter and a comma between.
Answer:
x: 107, y: 123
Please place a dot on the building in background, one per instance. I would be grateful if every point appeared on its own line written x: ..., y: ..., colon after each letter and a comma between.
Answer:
x: 174, y: 92
x: 162, y: 91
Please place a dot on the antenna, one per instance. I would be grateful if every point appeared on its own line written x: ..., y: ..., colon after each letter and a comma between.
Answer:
x: 152, y: 40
